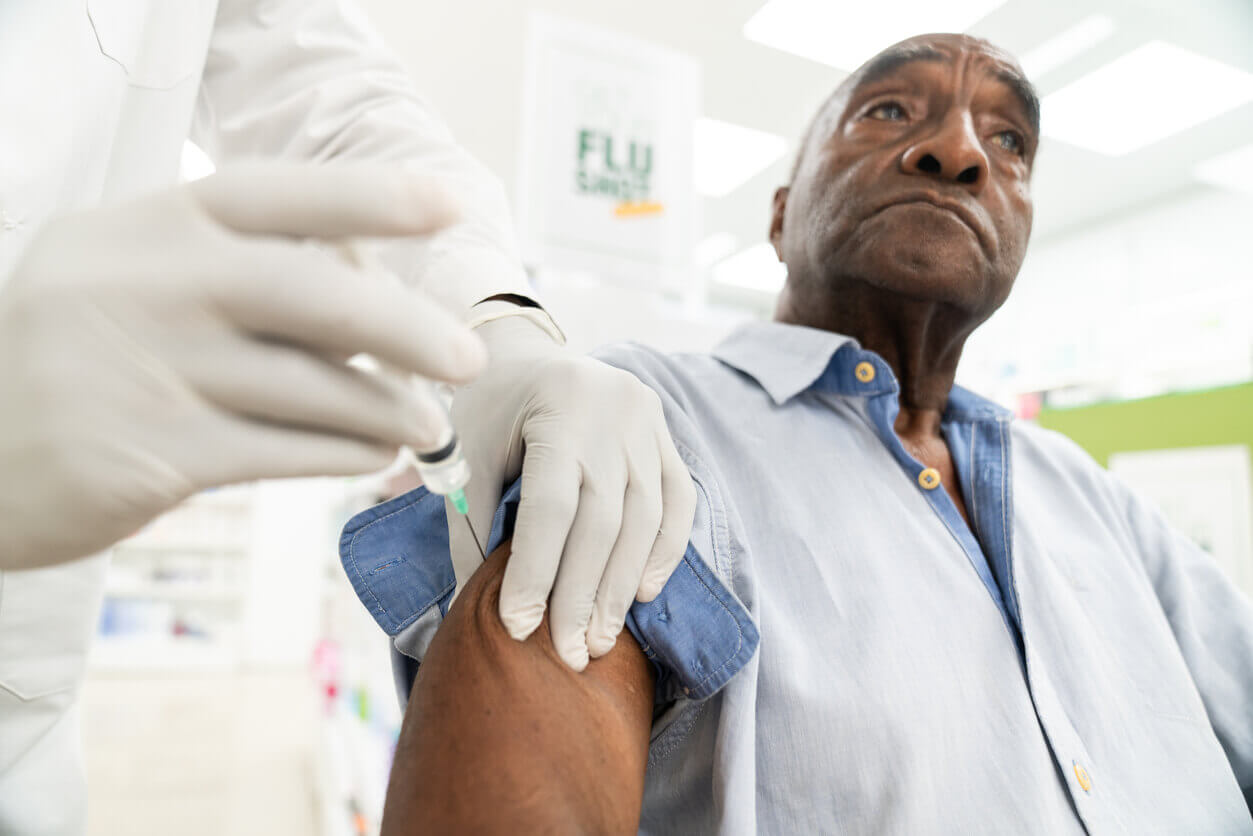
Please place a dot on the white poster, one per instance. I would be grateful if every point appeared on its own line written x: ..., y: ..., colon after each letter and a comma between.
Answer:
x: 1205, y: 493
x: 606, y: 169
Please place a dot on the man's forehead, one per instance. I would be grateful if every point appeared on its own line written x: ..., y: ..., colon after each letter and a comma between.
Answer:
x: 887, y: 62
x: 947, y: 49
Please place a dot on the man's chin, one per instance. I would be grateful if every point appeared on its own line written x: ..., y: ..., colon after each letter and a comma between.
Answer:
x: 926, y: 275
x: 939, y: 269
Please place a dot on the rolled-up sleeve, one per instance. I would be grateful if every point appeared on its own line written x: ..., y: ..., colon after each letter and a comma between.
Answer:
x: 696, y: 632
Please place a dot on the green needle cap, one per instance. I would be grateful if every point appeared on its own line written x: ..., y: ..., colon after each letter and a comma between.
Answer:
x: 458, y: 498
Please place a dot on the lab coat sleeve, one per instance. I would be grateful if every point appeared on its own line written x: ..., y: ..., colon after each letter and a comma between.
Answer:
x: 1213, y: 624
x: 309, y: 80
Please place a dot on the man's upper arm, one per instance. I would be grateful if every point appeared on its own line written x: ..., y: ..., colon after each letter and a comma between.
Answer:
x: 1213, y: 625
x: 501, y: 736
x: 694, y: 637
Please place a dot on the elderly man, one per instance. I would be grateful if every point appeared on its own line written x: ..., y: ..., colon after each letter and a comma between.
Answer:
x: 900, y: 611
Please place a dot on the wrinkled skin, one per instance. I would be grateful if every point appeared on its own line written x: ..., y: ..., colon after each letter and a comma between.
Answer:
x: 883, y: 151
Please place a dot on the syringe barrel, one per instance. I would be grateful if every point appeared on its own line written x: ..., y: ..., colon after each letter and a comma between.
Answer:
x: 445, y: 470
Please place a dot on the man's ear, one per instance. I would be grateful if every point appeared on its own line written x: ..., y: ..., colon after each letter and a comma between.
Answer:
x: 776, y: 220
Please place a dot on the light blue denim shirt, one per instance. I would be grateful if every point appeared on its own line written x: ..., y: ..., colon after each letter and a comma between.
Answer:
x: 1070, y: 665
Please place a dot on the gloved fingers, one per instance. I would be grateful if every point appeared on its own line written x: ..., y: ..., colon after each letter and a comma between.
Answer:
x: 329, y: 201
x: 583, y: 561
x: 489, y: 430
x: 678, y: 494
x: 641, y: 516
x: 233, y: 449
x: 551, y: 484
x: 285, y: 385
x: 299, y: 294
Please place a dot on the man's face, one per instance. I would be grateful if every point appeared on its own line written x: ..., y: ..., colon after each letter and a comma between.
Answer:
x: 915, y: 178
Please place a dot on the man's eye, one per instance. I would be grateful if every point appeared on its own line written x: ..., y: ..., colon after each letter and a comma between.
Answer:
x: 1010, y: 141
x: 889, y: 111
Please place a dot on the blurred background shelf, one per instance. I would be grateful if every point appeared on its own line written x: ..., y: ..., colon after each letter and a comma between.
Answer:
x: 175, y: 592
x: 178, y: 589
x: 161, y: 654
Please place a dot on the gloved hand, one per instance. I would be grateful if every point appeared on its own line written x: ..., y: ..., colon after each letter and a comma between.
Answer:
x: 607, y: 503
x: 190, y: 339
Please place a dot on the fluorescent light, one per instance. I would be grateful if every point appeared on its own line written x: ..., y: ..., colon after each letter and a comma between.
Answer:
x: 194, y: 162
x: 756, y: 268
x: 728, y: 155
x: 1232, y: 170
x: 1148, y: 94
x: 844, y: 36
x: 1064, y: 46
x: 713, y: 249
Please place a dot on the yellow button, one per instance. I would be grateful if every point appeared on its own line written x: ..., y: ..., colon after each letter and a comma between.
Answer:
x: 929, y: 478
x: 1082, y: 776
x: 864, y: 372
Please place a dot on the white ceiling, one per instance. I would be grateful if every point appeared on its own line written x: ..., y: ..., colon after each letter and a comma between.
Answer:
x: 468, y: 57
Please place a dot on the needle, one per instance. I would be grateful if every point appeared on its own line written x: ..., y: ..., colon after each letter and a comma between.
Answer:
x: 475, y: 536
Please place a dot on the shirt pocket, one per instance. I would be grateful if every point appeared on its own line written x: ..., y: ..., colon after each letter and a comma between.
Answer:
x: 158, y: 43
x: 47, y: 617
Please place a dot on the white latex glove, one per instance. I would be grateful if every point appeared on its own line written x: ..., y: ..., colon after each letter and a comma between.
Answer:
x: 607, y: 503
x: 191, y: 339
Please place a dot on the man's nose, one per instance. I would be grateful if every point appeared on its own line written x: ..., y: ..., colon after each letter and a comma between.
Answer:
x: 950, y: 152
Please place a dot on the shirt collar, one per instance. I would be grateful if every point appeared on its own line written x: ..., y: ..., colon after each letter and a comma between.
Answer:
x: 787, y: 360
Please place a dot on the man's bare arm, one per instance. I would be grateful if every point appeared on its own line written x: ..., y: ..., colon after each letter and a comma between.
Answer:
x: 501, y: 736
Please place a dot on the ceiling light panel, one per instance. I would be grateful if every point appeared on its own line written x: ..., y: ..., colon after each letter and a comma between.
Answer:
x: 728, y: 155
x: 1232, y: 171
x: 1140, y: 98
x: 1066, y: 45
x: 194, y: 163
x: 844, y: 35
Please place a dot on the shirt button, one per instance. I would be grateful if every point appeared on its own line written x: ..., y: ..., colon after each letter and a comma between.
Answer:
x: 864, y: 371
x: 1082, y: 776
x: 929, y: 478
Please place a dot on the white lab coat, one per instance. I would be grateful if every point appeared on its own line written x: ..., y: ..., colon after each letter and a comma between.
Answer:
x: 96, y: 101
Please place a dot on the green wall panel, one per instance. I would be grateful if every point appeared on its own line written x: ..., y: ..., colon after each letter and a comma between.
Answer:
x: 1187, y: 419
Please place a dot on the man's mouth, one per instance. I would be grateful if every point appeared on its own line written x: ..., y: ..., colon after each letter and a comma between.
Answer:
x: 955, y: 208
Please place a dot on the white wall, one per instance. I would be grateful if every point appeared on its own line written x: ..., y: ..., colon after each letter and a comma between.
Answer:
x: 1158, y: 299
x: 294, y: 537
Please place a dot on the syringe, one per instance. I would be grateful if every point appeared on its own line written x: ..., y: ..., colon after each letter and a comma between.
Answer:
x: 443, y: 468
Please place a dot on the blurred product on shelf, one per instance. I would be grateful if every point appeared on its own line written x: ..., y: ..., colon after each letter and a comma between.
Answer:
x: 177, y: 588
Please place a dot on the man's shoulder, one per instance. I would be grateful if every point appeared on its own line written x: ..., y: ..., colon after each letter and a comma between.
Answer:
x: 628, y: 355
x: 1050, y: 449
x: 676, y: 374
x: 1046, y: 457
x: 1052, y: 443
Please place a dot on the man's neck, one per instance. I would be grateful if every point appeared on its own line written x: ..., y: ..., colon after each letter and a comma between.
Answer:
x: 920, y: 339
